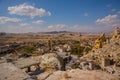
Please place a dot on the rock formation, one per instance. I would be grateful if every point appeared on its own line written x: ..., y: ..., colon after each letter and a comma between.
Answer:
x: 107, y: 56
x: 116, y: 34
x: 51, y: 62
x: 99, y: 42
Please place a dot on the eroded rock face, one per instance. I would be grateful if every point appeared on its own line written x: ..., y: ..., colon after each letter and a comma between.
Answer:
x: 116, y: 34
x: 109, y: 51
x: 108, y: 57
x: 51, y: 62
x: 99, y: 42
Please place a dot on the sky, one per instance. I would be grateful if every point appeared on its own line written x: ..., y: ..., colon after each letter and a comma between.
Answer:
x: 22, y: 16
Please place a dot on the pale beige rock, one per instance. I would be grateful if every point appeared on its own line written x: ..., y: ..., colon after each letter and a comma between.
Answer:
x: 10, y: 72
x: 33, y: 68
x: 50, y: 62
x: 108, y: 56
x: 25, y: 70
x: 99, y: 42
x: 76, y: 74
x: 116, y: 34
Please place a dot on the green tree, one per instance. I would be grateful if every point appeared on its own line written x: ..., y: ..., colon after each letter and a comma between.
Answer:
x: 77, y: 49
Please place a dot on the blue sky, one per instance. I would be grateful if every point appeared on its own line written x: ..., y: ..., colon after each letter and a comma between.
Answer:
x: 20, y: 16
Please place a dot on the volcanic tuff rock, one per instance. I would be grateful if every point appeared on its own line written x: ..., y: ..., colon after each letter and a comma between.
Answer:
x: 108, y: 56
x: 109, y: 51
x: 99, y: 42
x: 51, y: 62
x: 116, y: 34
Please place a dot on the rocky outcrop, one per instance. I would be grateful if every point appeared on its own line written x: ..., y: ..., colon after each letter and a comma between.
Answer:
x: 99, y: 42
x: 109, y: 51
x: 51, y: 62
x: 116, y: 34
x: 107, y: 57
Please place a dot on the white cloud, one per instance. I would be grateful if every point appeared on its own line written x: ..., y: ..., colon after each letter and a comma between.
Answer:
x: 73, y: 28
x: 118, y: 12
x: 80, y: 28
x: 110, y: 20
x: 28, y: 10
x: 7, y: 19
x: 57, y: 27
x: 24, y: 24
x: 85, y: 14
x: 40, y: 22
x: 21, y: 28
x: 113, y: 10
x: 104, y: 24
x: 25, y: 27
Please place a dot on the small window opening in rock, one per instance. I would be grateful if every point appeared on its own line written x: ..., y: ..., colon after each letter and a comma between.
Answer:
x: 112, y: 62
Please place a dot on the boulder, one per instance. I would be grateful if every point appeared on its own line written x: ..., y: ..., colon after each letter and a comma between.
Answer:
x: 51, y: 62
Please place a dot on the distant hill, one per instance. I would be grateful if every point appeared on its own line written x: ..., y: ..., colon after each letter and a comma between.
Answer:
x: 54, y: 32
